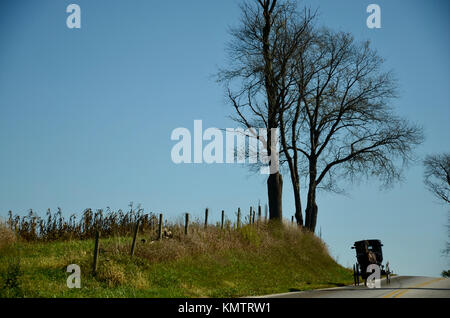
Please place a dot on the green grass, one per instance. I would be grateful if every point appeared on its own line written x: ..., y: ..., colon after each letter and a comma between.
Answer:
x: 254, y: 260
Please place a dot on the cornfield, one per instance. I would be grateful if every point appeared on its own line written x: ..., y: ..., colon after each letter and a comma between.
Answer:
x: 54, y: 226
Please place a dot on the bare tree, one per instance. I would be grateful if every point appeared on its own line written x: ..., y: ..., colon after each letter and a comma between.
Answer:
x: 260, y: 75
x: 437, y: 180
x: 328, y: 96
x: 343, y: 122
x: 437, y: 175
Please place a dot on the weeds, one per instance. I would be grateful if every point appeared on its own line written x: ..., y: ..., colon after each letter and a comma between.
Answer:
x: 7, y: 236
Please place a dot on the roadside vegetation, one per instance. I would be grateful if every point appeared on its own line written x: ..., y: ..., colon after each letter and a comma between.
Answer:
x: 255, y: 258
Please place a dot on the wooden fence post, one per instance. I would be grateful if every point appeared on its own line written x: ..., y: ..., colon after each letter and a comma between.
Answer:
x: 259, y: 213
x: 206, y: 217
x: 186, y: 224
x: 292, y: 219
x: 223, y: 219
x: 160, y: 232
x: 133, y: 244
x: 239, y: 218
x: 253, y: 217
x: 251, y: 214
x: 94, y: 265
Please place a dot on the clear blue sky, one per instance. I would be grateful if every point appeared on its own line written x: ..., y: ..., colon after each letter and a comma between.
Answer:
x: 86, y: 115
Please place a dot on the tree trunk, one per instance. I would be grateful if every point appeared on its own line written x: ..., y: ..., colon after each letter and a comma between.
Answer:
x: 311, y: 206
x: 311, y: 210
x: 298, y: 202
x: 274, y: 191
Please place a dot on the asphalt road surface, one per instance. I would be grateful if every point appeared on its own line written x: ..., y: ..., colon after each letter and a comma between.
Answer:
x: 400, y: 287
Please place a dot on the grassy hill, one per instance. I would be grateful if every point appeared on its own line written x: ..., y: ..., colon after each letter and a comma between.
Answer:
x: 255, y: 259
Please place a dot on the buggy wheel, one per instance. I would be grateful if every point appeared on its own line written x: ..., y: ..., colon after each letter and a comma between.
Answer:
x: 388, y: 273
x: 357, y: 274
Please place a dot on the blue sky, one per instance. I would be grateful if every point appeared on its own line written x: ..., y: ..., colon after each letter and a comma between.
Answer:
x: 86, y: 116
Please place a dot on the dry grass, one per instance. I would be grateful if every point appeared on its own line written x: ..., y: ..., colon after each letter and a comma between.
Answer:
x: 257, y: 237
x: 111, y: 273
x: 7, y: 236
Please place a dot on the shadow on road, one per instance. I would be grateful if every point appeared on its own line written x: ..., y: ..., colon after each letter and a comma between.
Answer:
x: 382, y: 288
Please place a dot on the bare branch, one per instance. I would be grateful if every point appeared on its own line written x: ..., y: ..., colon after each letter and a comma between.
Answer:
x: 437, y: 175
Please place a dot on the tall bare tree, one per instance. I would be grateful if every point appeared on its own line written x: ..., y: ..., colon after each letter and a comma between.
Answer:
x: 260, y: 75
x: 437, y: 175
x: 343, y: 120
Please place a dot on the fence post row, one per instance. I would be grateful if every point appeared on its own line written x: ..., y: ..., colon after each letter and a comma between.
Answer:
x: 152, y: 221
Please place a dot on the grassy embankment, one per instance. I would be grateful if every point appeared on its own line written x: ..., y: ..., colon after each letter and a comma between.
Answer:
x: 255, y: 259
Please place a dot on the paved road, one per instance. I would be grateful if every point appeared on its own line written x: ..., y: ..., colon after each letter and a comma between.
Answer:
x: 400, y: 287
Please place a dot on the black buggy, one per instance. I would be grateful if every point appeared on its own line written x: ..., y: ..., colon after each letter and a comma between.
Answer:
x: 368, y: 252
